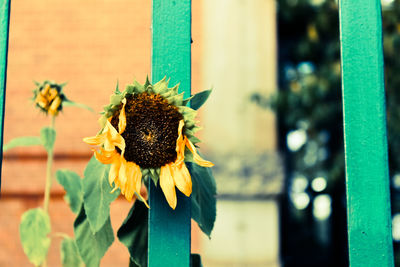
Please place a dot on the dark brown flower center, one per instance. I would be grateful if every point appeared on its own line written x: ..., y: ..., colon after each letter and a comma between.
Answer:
x: 151, y: 130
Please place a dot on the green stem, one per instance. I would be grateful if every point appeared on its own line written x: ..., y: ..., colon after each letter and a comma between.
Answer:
x: 49, y: 179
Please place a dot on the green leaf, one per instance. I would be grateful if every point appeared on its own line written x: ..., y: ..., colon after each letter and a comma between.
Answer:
x: 92, y: 246
x: 97, y: 194
x: 22, y: 141
x: 203, y: 198
x: 199, y: 99
x: 69, y: 253
x: 133, y: 233
x: 48, y: 137
x: 72, y: 184
x: 70, y: 103
x: 33, y: 231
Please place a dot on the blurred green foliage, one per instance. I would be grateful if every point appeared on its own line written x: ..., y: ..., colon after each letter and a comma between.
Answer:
x: 308, y: 102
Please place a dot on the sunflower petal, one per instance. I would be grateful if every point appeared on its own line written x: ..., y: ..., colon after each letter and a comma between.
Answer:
x: 122, y: 118
x: 114, y: 170
x: 168, y: 186
x: 182, y: 179
x: 180, y: 145
x: 122, y: 179
x: 95, y: 140
x: 105, y: 157
x: 130, y: 182
x: 196, y: 157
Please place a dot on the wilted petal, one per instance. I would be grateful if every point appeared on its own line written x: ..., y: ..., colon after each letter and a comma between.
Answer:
x: 182, y: 179
x: 196, y: 156
x: 122, y: 179
x: 114, y: 170
x: 130, y: 182
x: 95, y: 140
x: 122, y: 118
x: 168, y: 186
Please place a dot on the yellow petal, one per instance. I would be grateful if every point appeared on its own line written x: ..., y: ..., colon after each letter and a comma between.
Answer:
x: 168, y: 186
x: 95, y: 140
x: 105, y: 157
x: 114, y: 170
x: 122, y: 118
x: 45, y: 90
x: 130, y: 182
x: 52, y: 94
x: 113, y: 139
x: 196, y: 156
x: 41, y: 101
x: 138, y: 186
x: 182, y: 179
x: 53, y: 109
x: 122, y: 179
x: 180, y: 145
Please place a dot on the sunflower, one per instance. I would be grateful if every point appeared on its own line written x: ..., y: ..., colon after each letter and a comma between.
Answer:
x: 48, y: 97
x: 148, y: 131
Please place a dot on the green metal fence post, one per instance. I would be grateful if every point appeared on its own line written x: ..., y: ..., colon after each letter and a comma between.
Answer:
x: 4, y: 27
x: 169, y: 230
x: 367, y: 181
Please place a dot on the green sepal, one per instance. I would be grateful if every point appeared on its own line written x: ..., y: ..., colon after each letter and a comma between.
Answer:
x: 188, y: 155
x: 48, y: 137
x: 187, y: 112
x: 139, y: 88
x: 69, y: 253
x: 133, y: 233
x: 22, y: 141
x: 176, y: 100
x: 147, y: 83
x: 190, y: 132
x: 161, y: 86
x: 154, y: 175
x: 194, y: 139
x: 145, y: 172
x: 186, y: 101
x: 33, y: 231
x: 92, y: 246
x: 72, y: 184
x: 115, y: 100
x: 97, y: 194
x: 170, y: 92
x: 117, y: 91
x: 199, y: 99
x: 203, y: 197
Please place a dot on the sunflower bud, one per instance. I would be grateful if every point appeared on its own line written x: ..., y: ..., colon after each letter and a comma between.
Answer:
x: 48, y: 97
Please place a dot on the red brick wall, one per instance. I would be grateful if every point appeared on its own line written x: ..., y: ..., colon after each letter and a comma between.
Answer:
x: 89, y: 44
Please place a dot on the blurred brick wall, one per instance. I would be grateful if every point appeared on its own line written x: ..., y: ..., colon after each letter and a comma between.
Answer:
x: 89, y: 44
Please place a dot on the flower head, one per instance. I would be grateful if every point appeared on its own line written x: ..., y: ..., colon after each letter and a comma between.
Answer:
x: 48, y: 97
x: 147, y: 130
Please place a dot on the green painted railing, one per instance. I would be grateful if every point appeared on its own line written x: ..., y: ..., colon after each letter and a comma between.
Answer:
x: 4, y: 27
x: 368, y: 201
x: 369, y: 217
x: 169, y: 230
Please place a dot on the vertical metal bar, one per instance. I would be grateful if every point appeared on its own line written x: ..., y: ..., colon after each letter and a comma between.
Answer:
x: 169, y: 230
x: 367, y: 181
x: 4, y: 27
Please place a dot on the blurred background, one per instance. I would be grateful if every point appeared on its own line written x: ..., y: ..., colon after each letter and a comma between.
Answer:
x: 273, y: 124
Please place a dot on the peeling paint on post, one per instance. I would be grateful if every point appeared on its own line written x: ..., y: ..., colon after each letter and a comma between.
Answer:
x: 4, y: 27
x: 367, y: 180
x: 169, y: 230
